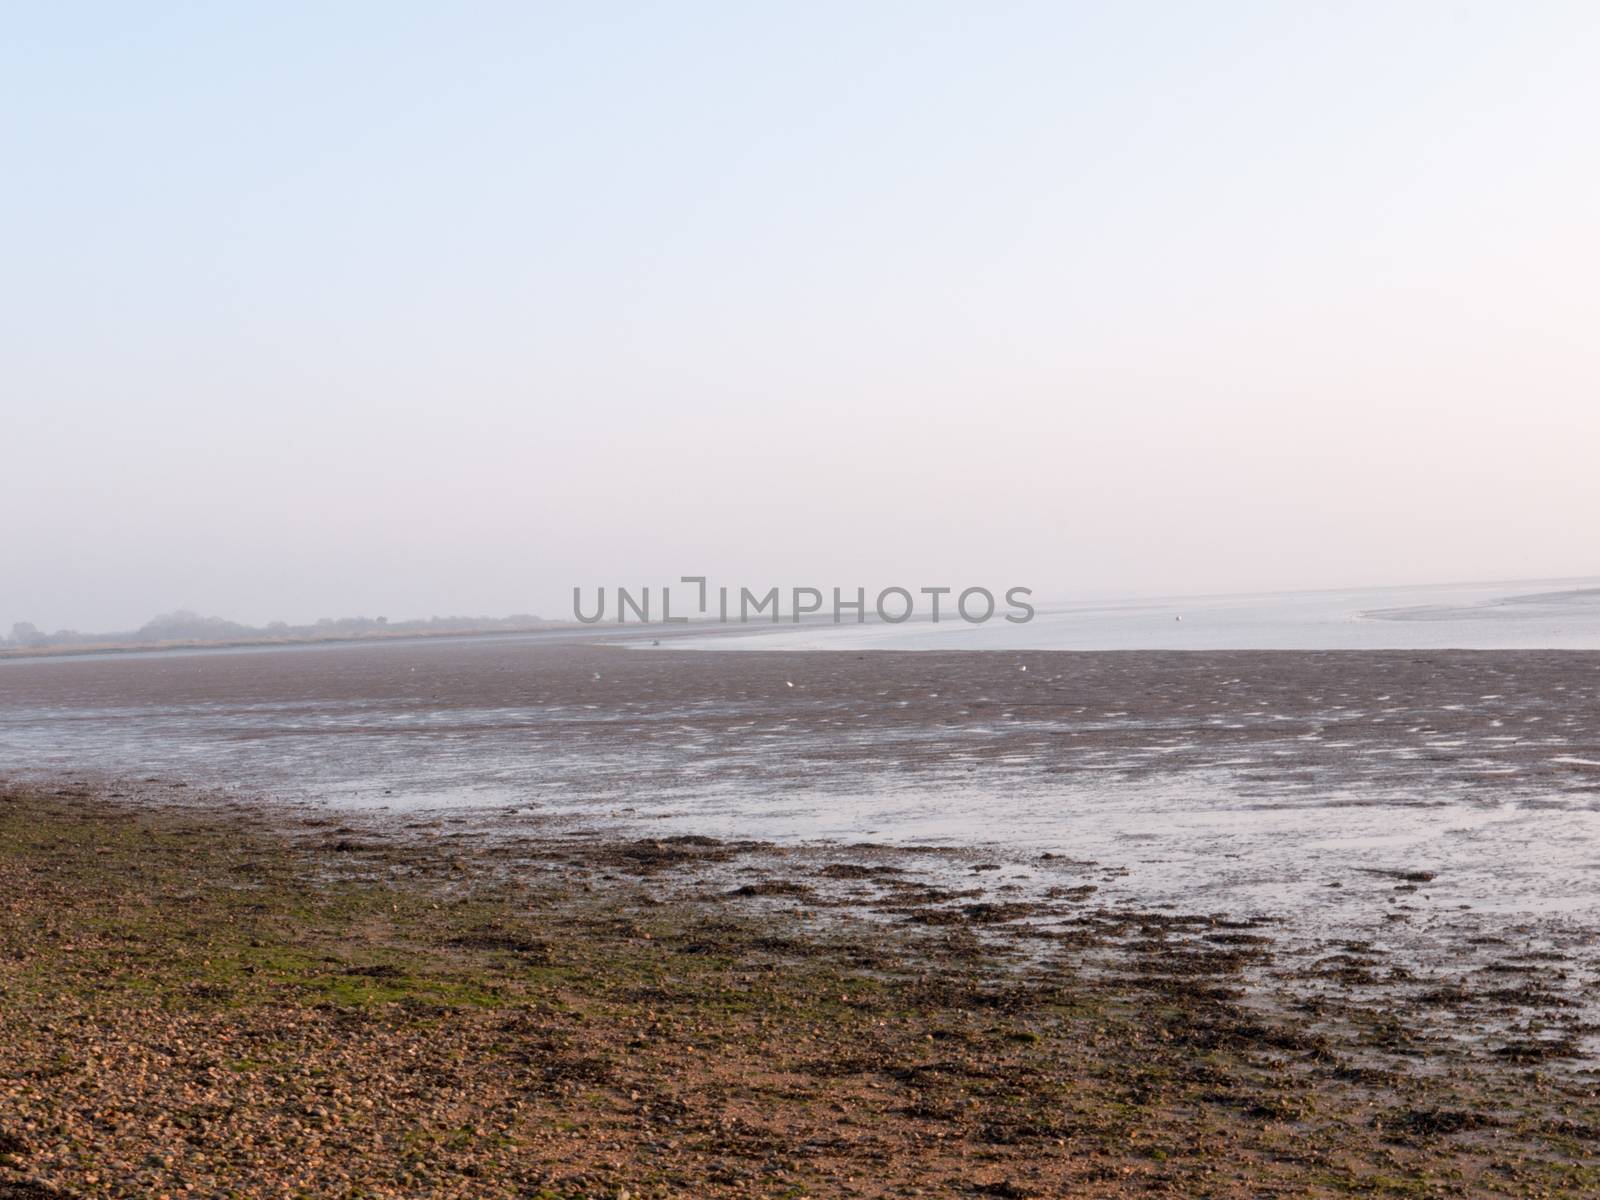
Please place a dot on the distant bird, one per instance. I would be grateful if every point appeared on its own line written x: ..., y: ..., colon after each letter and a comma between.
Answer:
x: 1177, y: 618
x: 597, y: 674
x: 1023, y: 667
x: 788, y: 683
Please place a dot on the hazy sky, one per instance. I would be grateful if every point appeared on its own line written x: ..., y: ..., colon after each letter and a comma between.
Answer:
x: 419, y: 308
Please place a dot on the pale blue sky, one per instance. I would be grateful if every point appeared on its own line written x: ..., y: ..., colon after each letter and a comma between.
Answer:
x: 403, y: 309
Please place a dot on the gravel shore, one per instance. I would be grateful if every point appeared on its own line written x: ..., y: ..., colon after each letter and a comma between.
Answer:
x: 211, y: 999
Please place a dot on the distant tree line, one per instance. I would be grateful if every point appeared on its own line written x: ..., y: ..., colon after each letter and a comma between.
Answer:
x: 185, y: 627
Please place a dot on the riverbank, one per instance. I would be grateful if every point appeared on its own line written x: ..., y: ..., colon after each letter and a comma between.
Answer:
x: 205, y: 998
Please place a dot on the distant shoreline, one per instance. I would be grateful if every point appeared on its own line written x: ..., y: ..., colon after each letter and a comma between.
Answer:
x: 245, y: 643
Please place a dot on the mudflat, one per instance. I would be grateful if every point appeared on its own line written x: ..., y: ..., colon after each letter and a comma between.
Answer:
x: 540, y: 712
x: 1437, y: 804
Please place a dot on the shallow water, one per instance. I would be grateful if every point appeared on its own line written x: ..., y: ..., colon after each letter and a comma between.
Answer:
x: 1536, y: 614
